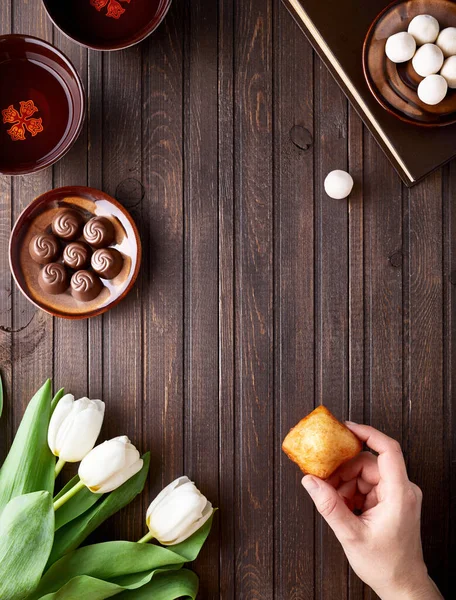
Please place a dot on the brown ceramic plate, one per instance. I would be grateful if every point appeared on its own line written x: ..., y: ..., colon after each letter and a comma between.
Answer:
x: 42, y: 104
x: 394, y: 85
x: 107, y: 24
x: 37, y: 218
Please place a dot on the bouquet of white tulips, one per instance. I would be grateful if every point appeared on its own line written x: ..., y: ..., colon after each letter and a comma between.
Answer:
x: 40, y: 533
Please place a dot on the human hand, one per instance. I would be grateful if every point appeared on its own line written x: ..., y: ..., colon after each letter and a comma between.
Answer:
x: 383, y: 544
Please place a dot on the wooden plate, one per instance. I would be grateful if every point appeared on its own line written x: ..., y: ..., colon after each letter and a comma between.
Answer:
x: 395, y: 85
x: 37, y: 218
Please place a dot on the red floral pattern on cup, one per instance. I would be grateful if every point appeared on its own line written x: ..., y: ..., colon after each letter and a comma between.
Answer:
x: 22, y: 120
x: 115, y: 9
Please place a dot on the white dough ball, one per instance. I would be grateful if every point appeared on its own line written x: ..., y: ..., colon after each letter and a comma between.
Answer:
x: 432, y: 89
x: 428, y: 60
x: 400, y: 47
x: 447, y: 41
x: 449, y: 71
x: 338, y: 184
x: 424, y: 29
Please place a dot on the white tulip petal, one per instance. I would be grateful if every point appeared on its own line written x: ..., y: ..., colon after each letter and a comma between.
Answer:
x: 103, y: 461
x: 109, y: 465
x: 194, y: 528
x: 118, y: 478
x: 81, y: 435
x: 165, y: 492
x: 177, y: 512
x: 62, y: 410
x: 176, y: 515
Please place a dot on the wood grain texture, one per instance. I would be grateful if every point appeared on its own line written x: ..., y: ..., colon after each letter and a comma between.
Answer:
x: 254, y: 294
x: 331, y: 298
x: 226, y: 297
x: 259, y: 297
x: 294, y: 290
x: 123, y: 360
x: 201, y: 267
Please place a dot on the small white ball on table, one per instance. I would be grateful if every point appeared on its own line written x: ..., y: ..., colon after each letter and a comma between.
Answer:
x: 338, y: 184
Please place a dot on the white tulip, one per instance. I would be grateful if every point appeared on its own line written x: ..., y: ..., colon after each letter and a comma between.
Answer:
x: 75, y: 427
x: 109, y: 465
x: 177, y: 512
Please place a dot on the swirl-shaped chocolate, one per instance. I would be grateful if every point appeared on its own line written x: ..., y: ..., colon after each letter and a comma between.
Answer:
x: 107, y: 262
x: 76, y: 255
x: 85, y: 286
x: 99, y: 232
x: 44, y: 248
x: 53, y: 278
x: 67, y: 224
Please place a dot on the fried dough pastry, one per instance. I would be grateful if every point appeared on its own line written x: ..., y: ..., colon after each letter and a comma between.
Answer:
x: 320, y: 443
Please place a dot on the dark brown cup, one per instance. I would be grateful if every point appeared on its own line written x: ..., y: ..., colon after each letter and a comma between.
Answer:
x: 38, y: 217
x: 42, y: 104
x: 107, y: 24
x: 395, y: 86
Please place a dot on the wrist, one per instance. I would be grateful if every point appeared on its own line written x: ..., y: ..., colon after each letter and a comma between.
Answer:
x: 418, y: 587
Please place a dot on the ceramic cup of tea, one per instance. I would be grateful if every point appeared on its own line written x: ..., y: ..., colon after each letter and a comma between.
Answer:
x: 42, y: 104
x: 107, y: 24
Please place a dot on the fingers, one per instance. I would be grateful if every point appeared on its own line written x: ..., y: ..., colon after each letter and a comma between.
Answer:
x: 391, y: 464
x: 364, y: 467
x: 332, y: 508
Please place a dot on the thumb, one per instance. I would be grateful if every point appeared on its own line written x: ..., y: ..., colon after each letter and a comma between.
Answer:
x: 332, y: 508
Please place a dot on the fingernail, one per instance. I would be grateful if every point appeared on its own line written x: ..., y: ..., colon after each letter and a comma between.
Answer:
x: 350, y: 423
x: 310, y: 484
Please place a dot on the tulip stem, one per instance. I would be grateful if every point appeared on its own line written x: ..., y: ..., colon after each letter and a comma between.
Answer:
x: 147, y: 538
x: 58, y: 467
x: 72, y: 492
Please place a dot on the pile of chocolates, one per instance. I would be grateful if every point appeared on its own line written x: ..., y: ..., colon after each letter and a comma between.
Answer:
x: 71, y: 262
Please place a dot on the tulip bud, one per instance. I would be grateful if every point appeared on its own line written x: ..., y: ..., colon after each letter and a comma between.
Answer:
x: 75, y: 427
x: 177, y: 512
x: 109, y: 465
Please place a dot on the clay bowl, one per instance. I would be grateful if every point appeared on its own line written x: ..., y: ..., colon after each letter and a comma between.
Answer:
x: 37, y: 219
x: 42, y: 104
x: 107, y: 24
x: 395, y: 85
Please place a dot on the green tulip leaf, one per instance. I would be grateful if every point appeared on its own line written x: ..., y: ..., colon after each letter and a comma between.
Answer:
x: 26, y: 535
x: 190, y: 548
x: 71, y: 535
x: 29, y: 466
x: 107, y: 563
x: 103, y: 570
x: 84, y: 586
x: 169, y: 585
x: 75, y: 506
x: 1, y: 395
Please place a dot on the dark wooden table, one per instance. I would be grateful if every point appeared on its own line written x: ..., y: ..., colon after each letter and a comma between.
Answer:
x: 259, y: 297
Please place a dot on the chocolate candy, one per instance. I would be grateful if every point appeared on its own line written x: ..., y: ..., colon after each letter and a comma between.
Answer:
x: 67, y: 224
x: 107, y: 262
x: 53, y: 278
x: 99, y: 232
x: 44, y: 248
x: 76, y: 255
x: 85, y: 286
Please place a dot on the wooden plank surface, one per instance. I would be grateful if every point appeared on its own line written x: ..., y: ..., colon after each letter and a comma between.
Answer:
x: 258, y: 298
